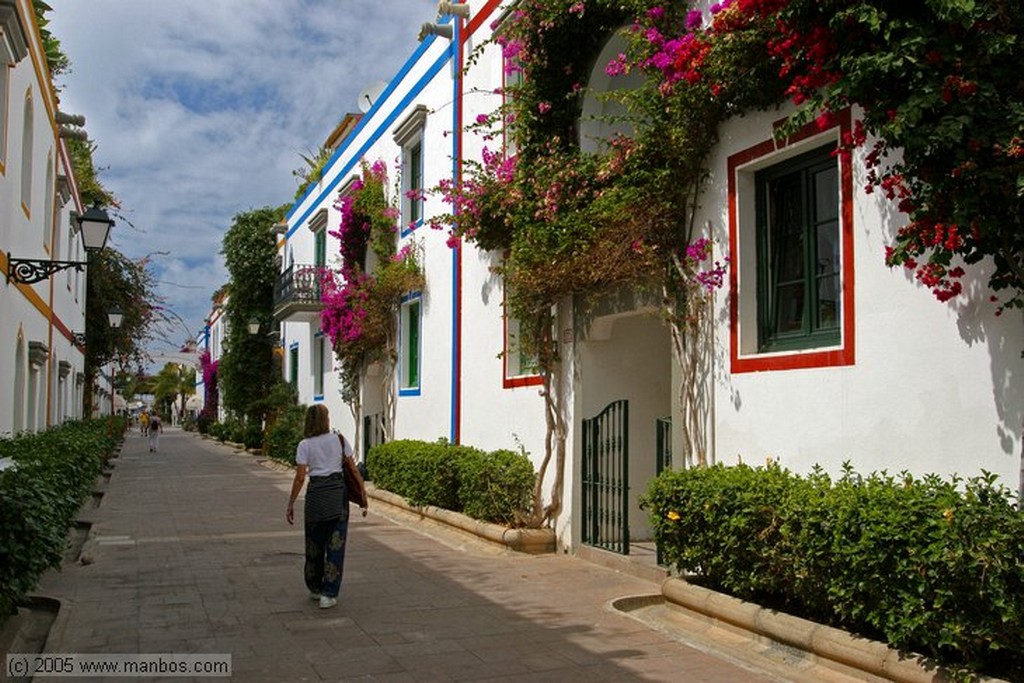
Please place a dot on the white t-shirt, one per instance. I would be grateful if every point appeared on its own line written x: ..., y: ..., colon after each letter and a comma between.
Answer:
x: 322, y: 454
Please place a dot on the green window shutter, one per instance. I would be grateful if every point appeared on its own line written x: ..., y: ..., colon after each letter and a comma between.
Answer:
x: 798, y: 253
x: 320, y: 365
x: 416, y: 181
x: 320, y: 255
x: 414, y: 344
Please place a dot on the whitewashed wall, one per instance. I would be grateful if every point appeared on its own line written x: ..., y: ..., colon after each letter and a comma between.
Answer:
x: 32, y: 396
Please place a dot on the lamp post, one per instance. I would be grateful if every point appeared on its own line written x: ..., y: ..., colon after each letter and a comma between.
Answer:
x: 94, y: 226
x: 115, y: 317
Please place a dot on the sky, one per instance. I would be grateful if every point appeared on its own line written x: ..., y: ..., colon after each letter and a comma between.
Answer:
x: 200, y: 110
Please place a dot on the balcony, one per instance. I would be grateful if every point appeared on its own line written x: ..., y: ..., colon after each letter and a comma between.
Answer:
x: 297, y: 294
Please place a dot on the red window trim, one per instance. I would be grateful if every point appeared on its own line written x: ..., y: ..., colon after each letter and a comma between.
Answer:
x: 517, y: 380
x: 832, y: 357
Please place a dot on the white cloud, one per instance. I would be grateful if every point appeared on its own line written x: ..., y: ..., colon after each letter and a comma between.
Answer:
x: 200, y: 110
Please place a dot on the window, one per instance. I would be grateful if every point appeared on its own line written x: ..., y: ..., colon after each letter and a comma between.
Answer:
x: 409, y: 136
x: 520, y: 367
x: 320, y: 249
x: 48, y: 205
x: 412, y: 180
x: 5, y: 83
x: 791, y: 247
x: 26, y: 156
x: 798, y: 252
x: 319, y: 365
x: 71, y: 257
x: 293, y: 365
x: 409, y: 352
x: 318, y: 226
x: 512, y: 78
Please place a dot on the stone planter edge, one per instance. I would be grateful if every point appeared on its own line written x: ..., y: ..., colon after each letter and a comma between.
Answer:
x: 825, y: 642
x: 529, y: 541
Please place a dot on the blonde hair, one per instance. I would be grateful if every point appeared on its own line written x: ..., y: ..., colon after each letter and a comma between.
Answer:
x: 318, y: 420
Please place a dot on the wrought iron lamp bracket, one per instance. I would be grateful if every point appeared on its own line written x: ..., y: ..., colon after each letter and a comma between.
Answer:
x: 30, y: 271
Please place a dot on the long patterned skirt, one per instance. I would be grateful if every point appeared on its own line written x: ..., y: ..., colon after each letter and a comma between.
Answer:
x: 325, y: 555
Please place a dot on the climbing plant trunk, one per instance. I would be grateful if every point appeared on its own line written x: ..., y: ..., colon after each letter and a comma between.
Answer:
x: 555, y: 421
x: 387, y: 384
x: 691, y: 326
x: 355, y: 406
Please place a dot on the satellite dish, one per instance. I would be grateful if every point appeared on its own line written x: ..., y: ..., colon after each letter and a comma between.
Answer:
x: 368, y: 95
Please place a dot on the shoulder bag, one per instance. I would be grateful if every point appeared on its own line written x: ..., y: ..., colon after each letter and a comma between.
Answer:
x: 353, y: 479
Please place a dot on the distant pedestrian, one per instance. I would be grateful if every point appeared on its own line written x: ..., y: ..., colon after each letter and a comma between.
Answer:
x: 156, y: 428
x: 144, y: 423
x: 320, y: 455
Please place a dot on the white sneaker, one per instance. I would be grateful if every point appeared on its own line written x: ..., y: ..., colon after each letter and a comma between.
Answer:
x: 326, y: 602
x: 314, y: 596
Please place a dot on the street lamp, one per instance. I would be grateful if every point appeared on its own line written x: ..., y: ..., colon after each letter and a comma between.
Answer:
x: 254, y: 326
x: 114, y: 317
x: 94, y: 226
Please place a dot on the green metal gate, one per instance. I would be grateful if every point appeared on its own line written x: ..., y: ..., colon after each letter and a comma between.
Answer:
x: 664, y: 458
x: 606, y: 478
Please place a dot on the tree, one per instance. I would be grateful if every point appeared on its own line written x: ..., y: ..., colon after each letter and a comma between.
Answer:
x: 247, y: 369
x: 174, y: 384
x: 116, y: 282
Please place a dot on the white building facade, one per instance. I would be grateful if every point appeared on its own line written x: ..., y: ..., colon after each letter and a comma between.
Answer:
x: 41, y: 376
x: 892, y: 379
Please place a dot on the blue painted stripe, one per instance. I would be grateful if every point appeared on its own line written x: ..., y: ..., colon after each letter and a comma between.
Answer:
x: 454, y: 388
x: 400, y: 108
x: 365, y: 121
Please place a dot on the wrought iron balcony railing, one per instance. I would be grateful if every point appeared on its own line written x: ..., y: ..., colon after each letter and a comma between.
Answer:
x: 297, y: 292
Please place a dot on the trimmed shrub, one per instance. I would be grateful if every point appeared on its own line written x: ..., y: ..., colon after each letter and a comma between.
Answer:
x: 252, y: 436
x: 495, y: 487
x: 234, y: 431
x: 421, y: 472
x: 284, y: 435
x: 39, y: 497
x: 205, y: 421
x: 926, y: 565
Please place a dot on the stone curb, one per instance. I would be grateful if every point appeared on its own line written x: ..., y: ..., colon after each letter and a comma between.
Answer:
x: 825, y: 642
x: 529, y: 541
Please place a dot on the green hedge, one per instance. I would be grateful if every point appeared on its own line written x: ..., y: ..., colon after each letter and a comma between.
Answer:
x: 493, y: 487
x: 927, y: 565
x: 55, y: 472
x: 284, y: 435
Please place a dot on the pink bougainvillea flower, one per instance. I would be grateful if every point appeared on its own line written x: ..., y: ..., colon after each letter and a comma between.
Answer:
x: 617, y: 66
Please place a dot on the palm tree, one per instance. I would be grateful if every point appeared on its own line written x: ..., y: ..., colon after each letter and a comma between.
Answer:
x: 174, y: 383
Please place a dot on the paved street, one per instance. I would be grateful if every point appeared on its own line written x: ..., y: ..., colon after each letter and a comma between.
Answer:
x: 189, y: 552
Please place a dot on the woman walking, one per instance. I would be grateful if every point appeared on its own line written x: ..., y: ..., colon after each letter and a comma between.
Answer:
x: 320, y: 455
x: 156, y: 428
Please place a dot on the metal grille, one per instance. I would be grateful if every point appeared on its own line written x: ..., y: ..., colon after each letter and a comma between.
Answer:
x: 606, y: 479
x: 663, y: 425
